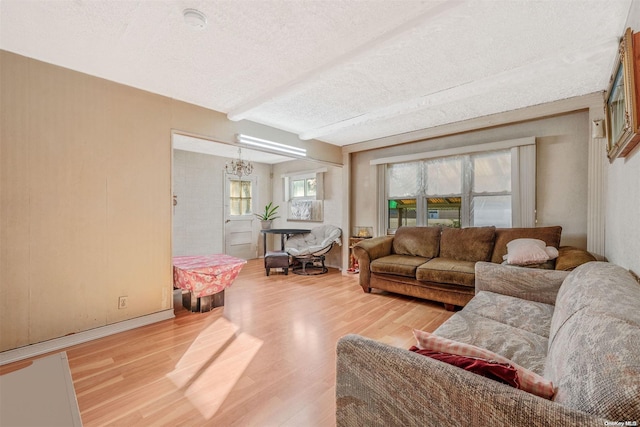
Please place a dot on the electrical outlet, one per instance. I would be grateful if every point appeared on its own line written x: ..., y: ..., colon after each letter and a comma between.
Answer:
x: 122, y: 302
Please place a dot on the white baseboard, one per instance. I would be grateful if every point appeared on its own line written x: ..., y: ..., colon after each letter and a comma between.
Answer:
x: 32, y: 350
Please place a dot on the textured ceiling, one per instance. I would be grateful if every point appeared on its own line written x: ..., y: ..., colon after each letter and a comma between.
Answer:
x: 337, y: 71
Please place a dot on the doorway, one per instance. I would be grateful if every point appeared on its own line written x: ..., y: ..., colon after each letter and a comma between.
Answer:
x: 203, y: 222
x: 240, y: 235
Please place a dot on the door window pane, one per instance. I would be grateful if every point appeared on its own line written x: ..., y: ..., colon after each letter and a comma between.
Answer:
x: 235, y: 188
x: 491, y: 210
x: 240, y: 201
x: 246, y: 189
x: 444, y: 176
x: 492, y: 172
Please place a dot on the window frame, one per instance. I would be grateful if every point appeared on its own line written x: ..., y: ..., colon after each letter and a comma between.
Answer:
x: 523, y: 180
x: 305, y: 179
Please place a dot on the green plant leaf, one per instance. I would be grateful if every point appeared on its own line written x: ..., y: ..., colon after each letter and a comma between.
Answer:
x: 270, y: 212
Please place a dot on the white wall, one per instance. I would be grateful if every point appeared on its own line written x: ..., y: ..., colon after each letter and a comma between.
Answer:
x: 198, y: 218
x: 562, y: 160
x: 622, y: 232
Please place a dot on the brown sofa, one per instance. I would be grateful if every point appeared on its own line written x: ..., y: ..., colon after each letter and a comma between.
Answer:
x: 438, y: 264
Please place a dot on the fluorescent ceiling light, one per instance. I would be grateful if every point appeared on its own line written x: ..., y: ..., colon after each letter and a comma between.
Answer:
x: 270, y: 145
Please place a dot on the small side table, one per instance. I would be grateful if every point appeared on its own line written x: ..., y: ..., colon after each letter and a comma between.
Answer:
x: 353, y: 261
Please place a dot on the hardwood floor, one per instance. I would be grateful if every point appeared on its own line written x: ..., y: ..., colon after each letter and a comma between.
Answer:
x: 267, y: 358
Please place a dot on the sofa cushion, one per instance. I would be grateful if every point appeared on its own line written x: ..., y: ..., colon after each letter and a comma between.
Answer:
x: 449, y: 271
x: 418, y: 241
x: 399, y: 265
x: 513, y: 311
x: 594, y: 355
x: 467, y: 244
x: 528, y: 380
x: 524, y: 348
x: 550, y: 235
x: 594, y: 362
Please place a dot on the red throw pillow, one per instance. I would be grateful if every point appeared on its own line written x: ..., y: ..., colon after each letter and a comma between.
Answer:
x: 529, y: 380
x: 501, y: 372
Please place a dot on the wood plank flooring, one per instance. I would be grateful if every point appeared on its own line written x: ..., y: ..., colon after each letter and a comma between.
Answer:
x: 267, y: 358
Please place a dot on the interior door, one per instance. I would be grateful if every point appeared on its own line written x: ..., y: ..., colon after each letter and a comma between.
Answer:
x: 240, y: 238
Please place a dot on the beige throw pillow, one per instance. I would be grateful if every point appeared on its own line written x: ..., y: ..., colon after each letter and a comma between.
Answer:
x: 526, y: 252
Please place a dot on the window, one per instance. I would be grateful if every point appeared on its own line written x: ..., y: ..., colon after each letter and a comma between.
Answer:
x: 443, y: 187
x: 455, y: 191
x: 240, y: 197
x: 402, y: 212
x: 491, y: 189
x: 304, y: 194
x: 404, y: 187
x: 303, y: 188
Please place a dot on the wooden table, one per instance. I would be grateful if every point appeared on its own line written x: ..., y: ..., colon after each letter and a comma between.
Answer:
x: 205, y: 277
x: 353, y: 261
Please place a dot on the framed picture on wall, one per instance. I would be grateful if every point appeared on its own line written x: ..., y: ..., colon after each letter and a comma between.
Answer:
x: 622, y: 116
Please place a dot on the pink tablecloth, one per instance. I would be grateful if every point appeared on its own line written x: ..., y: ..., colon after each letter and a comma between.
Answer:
x: 207, y: 274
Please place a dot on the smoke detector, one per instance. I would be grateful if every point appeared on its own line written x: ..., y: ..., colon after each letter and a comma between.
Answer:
x: 195, y: 19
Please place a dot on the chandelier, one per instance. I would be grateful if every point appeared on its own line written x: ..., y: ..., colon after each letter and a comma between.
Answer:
x: 239, y: 167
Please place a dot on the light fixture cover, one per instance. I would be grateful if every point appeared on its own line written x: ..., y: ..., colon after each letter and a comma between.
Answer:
x: 271, y: 145
x: 194, y: 18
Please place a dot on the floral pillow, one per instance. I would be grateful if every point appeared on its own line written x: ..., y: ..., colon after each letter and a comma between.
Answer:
x: 528, y: 380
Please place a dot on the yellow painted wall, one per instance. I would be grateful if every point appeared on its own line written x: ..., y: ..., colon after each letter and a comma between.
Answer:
x: 85, y: 197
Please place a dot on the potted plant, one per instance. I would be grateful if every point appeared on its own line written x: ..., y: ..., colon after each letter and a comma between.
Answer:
x: 269, y: 214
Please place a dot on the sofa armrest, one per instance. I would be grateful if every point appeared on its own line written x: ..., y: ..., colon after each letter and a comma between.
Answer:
x: 366, y: 251
x: 527, y: 283
x: 569, y: 257
x: 380, y: 385
x: 374, y: 248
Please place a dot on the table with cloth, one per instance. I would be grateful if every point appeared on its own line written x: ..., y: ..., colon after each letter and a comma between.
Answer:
x: 205, y: 277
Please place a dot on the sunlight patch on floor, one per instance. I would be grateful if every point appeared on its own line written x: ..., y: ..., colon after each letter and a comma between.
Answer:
x: 213, y: 364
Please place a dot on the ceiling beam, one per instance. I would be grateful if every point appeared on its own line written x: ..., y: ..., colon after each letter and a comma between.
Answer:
x: 562, y: 106
x: 243, y: 110
x: 547, y: 66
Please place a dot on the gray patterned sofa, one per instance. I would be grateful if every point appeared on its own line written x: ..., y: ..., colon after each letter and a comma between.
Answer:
x: 579, y: 329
